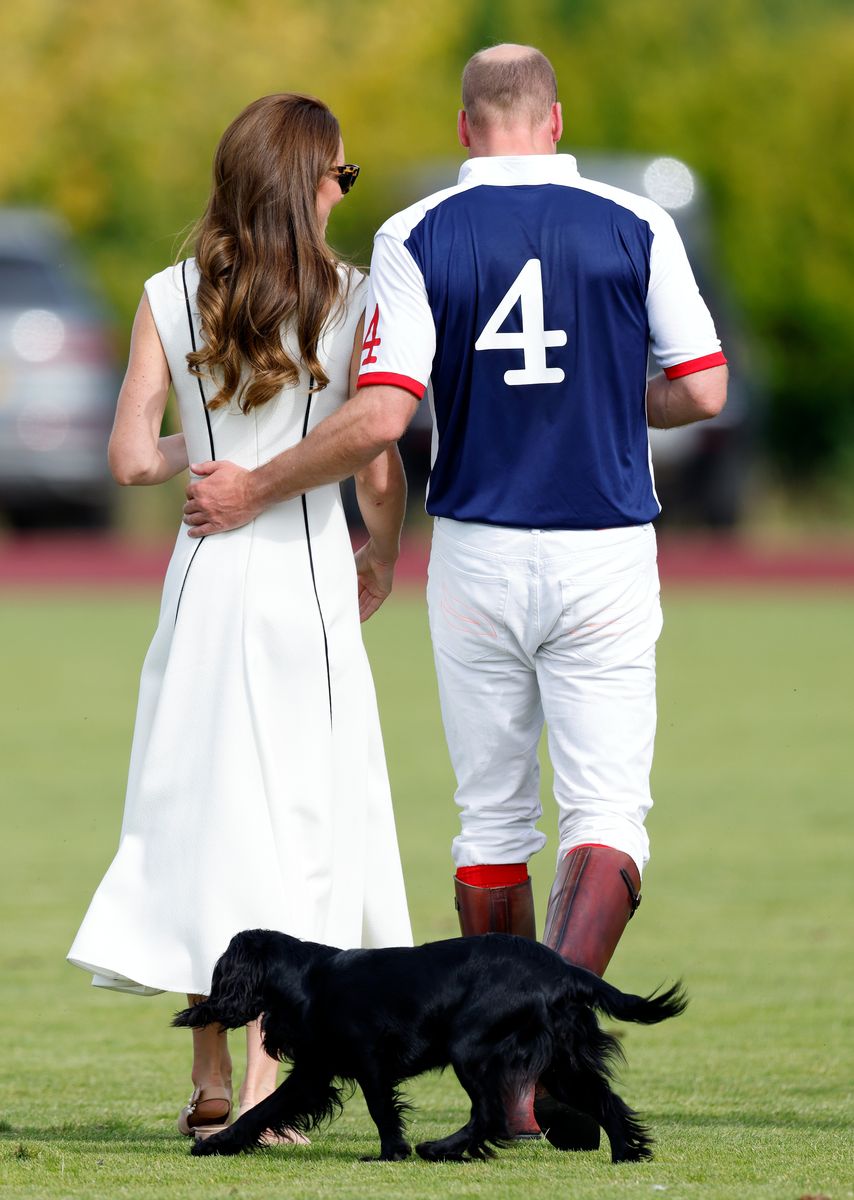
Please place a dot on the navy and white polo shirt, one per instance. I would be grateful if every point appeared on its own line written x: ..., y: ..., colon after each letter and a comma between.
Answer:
x: 529, y: 298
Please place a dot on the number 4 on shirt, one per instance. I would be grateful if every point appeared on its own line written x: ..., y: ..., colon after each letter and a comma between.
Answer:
x: 371, y: 338
x: 534, y: 338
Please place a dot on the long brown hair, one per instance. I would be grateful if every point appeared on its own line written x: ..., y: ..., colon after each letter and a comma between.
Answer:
x: 260, y: 251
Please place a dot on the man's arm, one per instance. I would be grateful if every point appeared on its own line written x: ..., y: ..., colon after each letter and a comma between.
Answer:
x: 689, y: 398
x: 684, y: 341
x: 227, y: 496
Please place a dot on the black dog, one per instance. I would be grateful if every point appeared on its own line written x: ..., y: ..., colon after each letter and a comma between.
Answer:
x: 504, y: 1012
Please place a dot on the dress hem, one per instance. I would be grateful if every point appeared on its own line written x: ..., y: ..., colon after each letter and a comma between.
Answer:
x: 110, y: 980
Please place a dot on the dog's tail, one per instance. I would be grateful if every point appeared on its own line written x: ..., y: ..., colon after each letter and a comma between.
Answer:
x: 624, y: 1006
x: 645, y: 1010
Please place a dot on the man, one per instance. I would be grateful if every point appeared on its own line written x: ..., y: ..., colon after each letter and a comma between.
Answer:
x: 529, y: 297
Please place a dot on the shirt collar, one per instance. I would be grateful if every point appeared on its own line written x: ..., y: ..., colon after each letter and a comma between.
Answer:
x: 520, y: 168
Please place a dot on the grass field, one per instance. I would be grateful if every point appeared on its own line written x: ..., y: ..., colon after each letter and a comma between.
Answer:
x: 748, y: 897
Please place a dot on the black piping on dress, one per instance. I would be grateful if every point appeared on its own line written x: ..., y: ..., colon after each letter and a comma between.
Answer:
x: 207, y: 421
x: 311, y: 559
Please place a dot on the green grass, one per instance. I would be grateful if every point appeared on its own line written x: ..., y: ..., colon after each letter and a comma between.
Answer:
x: 748, y: 896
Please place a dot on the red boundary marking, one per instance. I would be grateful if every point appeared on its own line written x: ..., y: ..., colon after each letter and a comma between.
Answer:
x: 698, y: 561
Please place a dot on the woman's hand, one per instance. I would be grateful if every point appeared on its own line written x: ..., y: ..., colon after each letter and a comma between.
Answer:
x: 375, y: 576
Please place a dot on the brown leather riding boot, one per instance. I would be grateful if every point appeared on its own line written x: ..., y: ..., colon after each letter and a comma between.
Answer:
x: 594, y: 896
x: 508, y: 909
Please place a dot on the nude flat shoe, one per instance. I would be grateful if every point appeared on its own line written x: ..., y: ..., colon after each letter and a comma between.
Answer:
x: 290, y: 1137
x: 194, y: 1124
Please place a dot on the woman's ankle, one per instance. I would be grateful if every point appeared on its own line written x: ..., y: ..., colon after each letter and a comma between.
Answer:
x: 207, y: 1078
x: 250, y: 1097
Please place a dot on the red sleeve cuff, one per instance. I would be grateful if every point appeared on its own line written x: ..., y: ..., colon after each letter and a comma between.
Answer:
x: 390, y: 380
x: 696, y: 364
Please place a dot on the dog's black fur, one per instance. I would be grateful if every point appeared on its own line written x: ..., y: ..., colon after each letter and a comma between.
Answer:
x: 504, y: 1012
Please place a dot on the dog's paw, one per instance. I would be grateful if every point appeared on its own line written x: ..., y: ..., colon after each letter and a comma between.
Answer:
x: 396, y: 1152
x: 200, y: 1148
x: 565, y: 1127
x: 212, y: 1145
x: 437, y: 1152
x: 637, y: 1153
x: 480, y: 1152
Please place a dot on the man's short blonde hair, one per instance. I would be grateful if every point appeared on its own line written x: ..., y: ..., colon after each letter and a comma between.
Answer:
x: 508, y: 85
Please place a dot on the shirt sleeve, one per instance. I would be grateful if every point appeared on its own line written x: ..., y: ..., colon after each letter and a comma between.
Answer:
x: 400, y: 334
x: 681, y: 328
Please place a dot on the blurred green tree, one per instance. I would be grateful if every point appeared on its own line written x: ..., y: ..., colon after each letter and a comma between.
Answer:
x: 111, y: 114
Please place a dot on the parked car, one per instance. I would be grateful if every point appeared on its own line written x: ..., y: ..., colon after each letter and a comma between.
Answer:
x: 702, y: 471
x: 58, y: 380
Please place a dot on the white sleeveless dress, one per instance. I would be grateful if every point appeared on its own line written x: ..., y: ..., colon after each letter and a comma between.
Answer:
x: 258, y: 795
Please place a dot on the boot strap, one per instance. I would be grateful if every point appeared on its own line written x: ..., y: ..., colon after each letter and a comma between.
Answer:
x: 634, y: 897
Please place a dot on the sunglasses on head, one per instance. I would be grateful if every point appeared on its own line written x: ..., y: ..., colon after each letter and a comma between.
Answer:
x: 346, y: 174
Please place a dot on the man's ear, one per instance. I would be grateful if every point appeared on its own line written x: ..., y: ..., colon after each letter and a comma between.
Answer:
x: 463, y: 129
x: 556, y: 120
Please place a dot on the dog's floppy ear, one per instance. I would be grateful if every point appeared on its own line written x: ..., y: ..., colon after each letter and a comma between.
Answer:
x: 199, y: 1016
x: 237, y: 990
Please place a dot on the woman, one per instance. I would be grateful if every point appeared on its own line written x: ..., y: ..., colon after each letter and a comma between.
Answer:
x: 257, y: 794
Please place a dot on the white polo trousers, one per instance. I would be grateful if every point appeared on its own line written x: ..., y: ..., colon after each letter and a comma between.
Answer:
x: 546, y: 625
